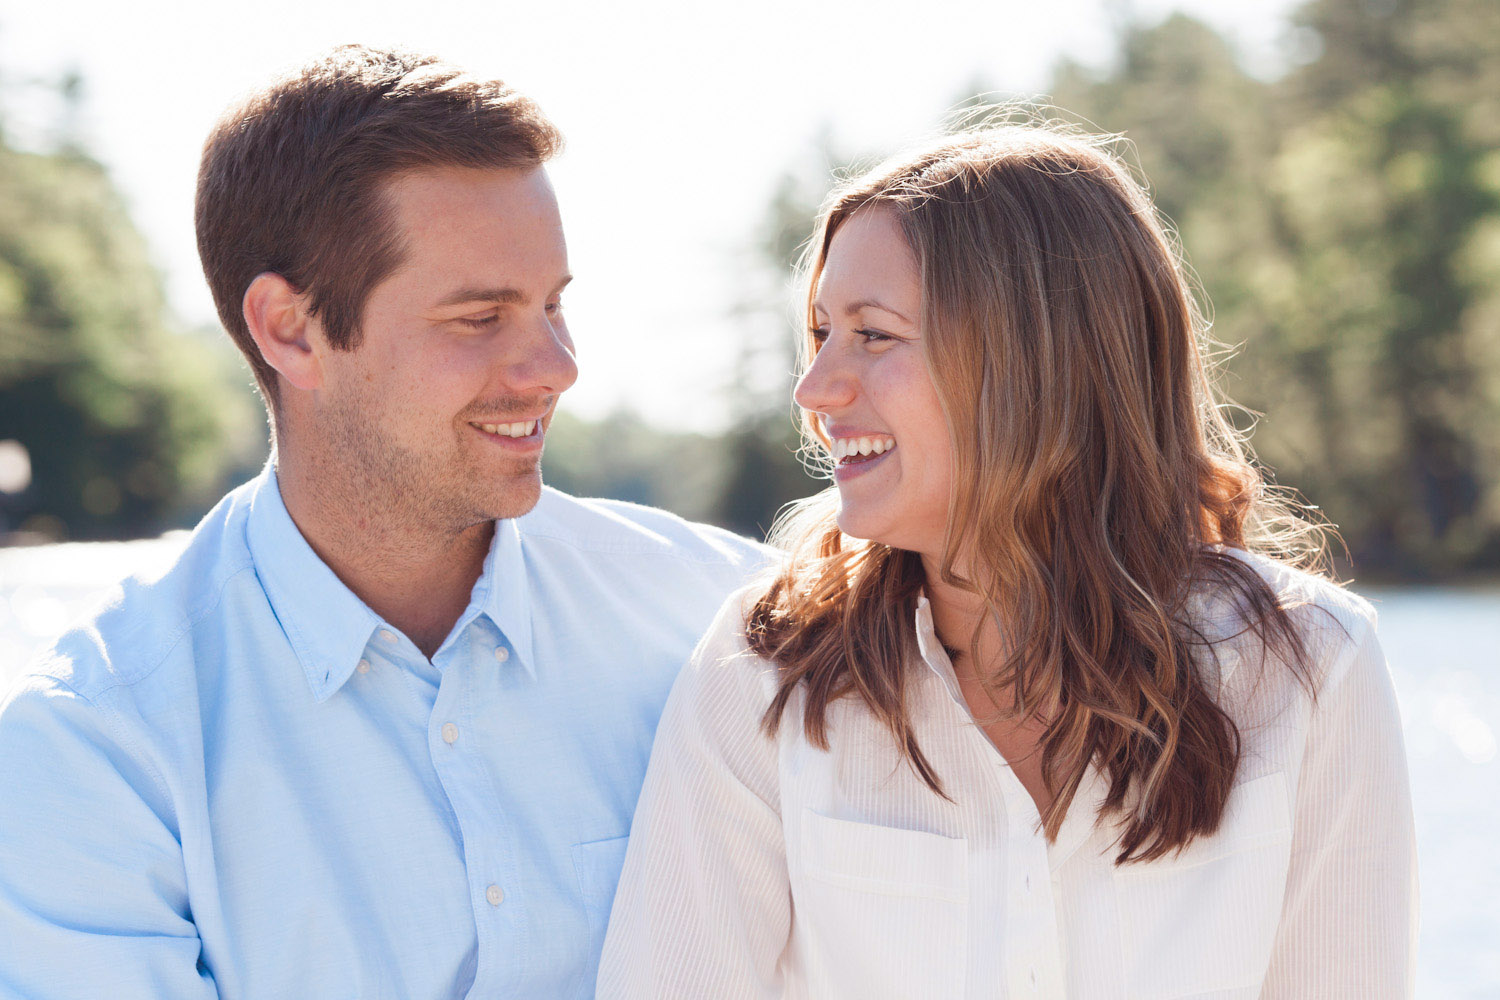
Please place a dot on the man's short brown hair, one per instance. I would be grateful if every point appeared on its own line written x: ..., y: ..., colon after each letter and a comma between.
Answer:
x: 292, y: 178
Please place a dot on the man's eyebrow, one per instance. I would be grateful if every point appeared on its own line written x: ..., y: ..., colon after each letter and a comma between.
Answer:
x: 498, y: 296
x: 853, y: 308
x: 495, y: 296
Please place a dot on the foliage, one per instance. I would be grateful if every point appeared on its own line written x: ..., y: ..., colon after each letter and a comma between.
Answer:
x: 127, y: 424
x: 1344, y: 223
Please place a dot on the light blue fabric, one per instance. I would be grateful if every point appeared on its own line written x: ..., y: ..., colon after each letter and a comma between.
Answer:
x: 237, y: 781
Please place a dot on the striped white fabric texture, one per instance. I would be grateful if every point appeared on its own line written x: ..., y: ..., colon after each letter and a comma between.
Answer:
x: 763, y: 867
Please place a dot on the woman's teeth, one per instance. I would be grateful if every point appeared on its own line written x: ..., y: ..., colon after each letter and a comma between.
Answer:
x: 845, y: 449
x: 524, y: 428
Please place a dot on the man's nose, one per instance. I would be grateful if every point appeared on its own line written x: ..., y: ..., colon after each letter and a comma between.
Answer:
x: 548, y: 366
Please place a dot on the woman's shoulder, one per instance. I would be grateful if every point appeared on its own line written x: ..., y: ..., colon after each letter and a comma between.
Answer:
x: 1331, y: 622
x: 724, y: 668
x: 1296, y: 588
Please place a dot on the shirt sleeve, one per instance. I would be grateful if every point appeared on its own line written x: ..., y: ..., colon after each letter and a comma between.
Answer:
x: 93, y: 890
x: 703, y: 908
x: 1349, y: 922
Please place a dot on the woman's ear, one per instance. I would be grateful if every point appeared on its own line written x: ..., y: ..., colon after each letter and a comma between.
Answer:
x: 280, y: 325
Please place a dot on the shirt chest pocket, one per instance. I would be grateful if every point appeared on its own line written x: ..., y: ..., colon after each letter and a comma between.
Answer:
x: 1203, y: 922
x: 597, y: 864
x: 880, y: 911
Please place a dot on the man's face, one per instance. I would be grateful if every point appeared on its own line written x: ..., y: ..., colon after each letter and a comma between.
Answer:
x: 441, y: 411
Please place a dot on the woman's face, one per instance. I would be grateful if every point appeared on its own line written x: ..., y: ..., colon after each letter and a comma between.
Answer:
x: 869, y: 388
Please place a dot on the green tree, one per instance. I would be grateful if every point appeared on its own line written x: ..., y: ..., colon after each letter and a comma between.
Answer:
x: 762, y: 472
x: 1343, y: 222
x: 127, y: 424
x: 624, y: 458
x: 1391, y: 194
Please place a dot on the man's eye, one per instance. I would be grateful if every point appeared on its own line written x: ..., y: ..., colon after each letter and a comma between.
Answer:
x: 553, y: 308
x: 481, y: 322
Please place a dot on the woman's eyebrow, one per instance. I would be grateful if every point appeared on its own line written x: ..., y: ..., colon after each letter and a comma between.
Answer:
x: 855, y: 307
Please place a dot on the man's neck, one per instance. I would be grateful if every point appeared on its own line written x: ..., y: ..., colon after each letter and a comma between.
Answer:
x: 416, y: 577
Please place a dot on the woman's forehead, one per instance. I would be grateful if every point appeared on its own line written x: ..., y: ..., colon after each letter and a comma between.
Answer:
x: 868, y: 262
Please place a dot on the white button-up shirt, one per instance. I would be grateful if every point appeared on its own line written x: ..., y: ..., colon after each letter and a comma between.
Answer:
x: 763, y: 867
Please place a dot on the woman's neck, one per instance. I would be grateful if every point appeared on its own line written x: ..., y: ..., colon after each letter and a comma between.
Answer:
x: 961, y: 617
x: 966, y: 625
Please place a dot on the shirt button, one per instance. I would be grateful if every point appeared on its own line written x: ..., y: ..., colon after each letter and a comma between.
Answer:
x: 450, y: 733
x: 1028, y: 884
x: 364, y: 666
x: 494, y: 895
x: 386, y: 635
x: 501, y: 654
x: 1033, y: 978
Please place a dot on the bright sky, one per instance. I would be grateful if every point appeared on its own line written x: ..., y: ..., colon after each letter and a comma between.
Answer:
x: 680, y: 117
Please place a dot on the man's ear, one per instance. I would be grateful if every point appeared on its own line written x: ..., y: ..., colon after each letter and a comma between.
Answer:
x: 281, y: 327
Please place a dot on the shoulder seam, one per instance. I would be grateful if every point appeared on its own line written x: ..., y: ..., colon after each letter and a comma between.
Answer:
x: 1362, y: 629
x: 118, y: 729
x: 189, y: 623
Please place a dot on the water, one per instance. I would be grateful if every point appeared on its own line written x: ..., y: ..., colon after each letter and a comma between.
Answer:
x: 1444, y: 649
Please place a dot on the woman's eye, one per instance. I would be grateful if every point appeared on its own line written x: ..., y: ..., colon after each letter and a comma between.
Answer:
x: 818, y: 334
x: 874, y: 335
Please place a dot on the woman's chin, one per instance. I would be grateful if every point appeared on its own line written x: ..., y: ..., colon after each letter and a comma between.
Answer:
x: 881, y: 527
x: 857, y: 522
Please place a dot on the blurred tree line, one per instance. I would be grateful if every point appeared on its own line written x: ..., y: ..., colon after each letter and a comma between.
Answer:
x: 1343, y: 218
x: 129, y: 425
x: 1344, y: 222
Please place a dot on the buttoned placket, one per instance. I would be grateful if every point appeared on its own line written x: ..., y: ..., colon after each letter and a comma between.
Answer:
x: 1033, y: 955
x: 457, y: 757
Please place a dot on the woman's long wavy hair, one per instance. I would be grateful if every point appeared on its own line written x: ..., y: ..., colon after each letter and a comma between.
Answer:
x: 1097, y: 484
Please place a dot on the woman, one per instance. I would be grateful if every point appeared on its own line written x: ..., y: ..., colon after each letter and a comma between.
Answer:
x: 1040, y: 705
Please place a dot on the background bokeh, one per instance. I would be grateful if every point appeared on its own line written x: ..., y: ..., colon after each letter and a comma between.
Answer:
x: 1332, y: 168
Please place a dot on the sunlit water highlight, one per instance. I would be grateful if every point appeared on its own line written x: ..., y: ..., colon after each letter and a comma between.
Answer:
x: 1443, y: 645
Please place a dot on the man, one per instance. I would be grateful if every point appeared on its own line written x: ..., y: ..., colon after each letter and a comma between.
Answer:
x: 376, y: 734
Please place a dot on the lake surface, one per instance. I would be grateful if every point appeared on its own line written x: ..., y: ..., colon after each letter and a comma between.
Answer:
x: 1444, y: 649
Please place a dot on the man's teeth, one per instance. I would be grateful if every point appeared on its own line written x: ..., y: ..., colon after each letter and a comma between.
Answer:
x: 524, y: 428
x: 853, y: 447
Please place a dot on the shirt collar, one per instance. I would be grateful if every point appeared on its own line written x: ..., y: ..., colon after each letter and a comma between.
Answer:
x: 327, y: 626
x: 1083, y: 814
x: 503, y: 592
x: 932, y: 652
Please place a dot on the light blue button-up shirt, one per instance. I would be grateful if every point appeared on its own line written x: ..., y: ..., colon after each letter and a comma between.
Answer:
x: 238, y: 781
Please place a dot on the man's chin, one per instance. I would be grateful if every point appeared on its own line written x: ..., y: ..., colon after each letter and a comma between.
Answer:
x: 516, y: 497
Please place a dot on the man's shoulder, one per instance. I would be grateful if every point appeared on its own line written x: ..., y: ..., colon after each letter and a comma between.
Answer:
x: 616, y: 526
x: 142, y: 619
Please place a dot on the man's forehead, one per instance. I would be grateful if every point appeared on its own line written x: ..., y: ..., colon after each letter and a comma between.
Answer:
x: 481, y: 230
x: 440, y: 184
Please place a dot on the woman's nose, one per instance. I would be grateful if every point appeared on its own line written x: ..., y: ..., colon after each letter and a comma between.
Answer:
x: 827, y: 384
